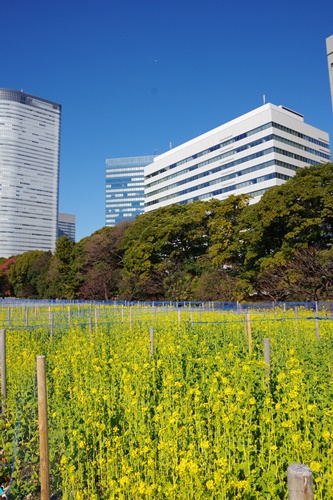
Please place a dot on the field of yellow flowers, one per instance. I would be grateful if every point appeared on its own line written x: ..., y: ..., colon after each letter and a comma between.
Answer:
x: 197, y: 418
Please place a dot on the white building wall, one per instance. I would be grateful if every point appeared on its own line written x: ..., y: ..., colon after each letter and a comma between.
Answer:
x: 29, y: 172
x: 222, y: 162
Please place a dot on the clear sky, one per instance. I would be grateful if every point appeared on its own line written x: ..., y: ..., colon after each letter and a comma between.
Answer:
x: 133, y: 76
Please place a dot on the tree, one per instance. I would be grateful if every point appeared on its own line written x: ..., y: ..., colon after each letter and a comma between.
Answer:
x: 306, y: 276
x: 63, y: 271
x: 25, y: 274
x: 297, y: 214
x: 100, y: 266
x: 6, y: 289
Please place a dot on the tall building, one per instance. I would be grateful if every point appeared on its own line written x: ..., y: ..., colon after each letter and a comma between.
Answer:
x: 66, y: 226
x: 329, y: 47
x: 248, y: 155
x: 124, y: 188
x: 29, y: 172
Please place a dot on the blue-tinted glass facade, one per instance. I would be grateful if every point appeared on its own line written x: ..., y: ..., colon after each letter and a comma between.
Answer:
x: 124, y: 190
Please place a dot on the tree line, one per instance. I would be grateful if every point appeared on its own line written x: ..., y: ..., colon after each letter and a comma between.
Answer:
x: 277, y: 249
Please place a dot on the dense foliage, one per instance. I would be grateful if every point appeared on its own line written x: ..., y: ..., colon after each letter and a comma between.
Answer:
x: 199, y: 418
x: 278, y: 249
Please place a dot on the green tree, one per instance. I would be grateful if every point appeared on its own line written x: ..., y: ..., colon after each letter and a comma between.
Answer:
x: 63, y: 272
x: 297, y: 214
x: 25, y: 274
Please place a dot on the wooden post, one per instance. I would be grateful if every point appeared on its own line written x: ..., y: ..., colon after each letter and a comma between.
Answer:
x: 151, y: 335
x: 27, y: 318
x: 43, y: 430
x: 8, y: 315
x: 248, y: 331
x: 69, y: 315
x: 267, y: 358
x: 90, y: 328
x: 300, y: 483
x: 51, y: 325
x: 122, y: 313
x: 3, y: 368
x: 179, y: 318
x: 317, y: 322
x: 131, y: 318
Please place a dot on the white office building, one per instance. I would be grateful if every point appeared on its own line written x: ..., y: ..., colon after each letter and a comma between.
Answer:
x: 329, y: 47
x: 248, y: 155
x: 29, y: 172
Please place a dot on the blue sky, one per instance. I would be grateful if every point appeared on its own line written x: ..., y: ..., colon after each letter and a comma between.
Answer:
x: 134, y: 76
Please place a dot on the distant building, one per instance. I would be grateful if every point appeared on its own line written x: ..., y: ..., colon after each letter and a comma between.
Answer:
x: 66, y: 226
x: 329, y: 47
x: 29, y: 172
x: 124, y: 192
x: 248, y: 155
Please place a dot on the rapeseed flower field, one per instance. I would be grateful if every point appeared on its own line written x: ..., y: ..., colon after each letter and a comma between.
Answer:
x: 200, y: 417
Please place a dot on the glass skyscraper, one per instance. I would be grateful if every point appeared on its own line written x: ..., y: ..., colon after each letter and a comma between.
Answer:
x: 66, y: 226
x: 29, y: 172
x: 124, y: 188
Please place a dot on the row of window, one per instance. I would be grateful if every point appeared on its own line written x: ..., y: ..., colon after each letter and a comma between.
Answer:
x: 220, y: 168
x: 200, y: 186
x: 238, y: 138
x: 227, y: 177
x: 231, y: 153
x: 226, y: 189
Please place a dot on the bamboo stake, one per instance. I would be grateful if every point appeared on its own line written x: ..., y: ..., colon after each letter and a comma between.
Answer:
x: 3, y: 368
x: 300, y: 483
x: 43, y: 430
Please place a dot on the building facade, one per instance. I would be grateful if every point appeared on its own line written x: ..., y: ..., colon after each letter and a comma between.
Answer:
x: 124, y: 192
x: 66, y: 226
x: 248, y: 155
x: 29, y: 172
x: 329, y: 47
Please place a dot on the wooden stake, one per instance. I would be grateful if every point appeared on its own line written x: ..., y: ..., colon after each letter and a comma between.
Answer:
x: 90, y: 328
x: 317, y: 322
x: 3, y: 368
x: 300, y: 483
x: 131, y: 318
x: 51, y: 325
x: 43, y: 430
x: 267, y: 358
x: 151, y: 335
x: 248, y: 331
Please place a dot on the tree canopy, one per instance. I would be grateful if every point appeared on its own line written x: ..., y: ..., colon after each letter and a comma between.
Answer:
x: 278, y: 248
